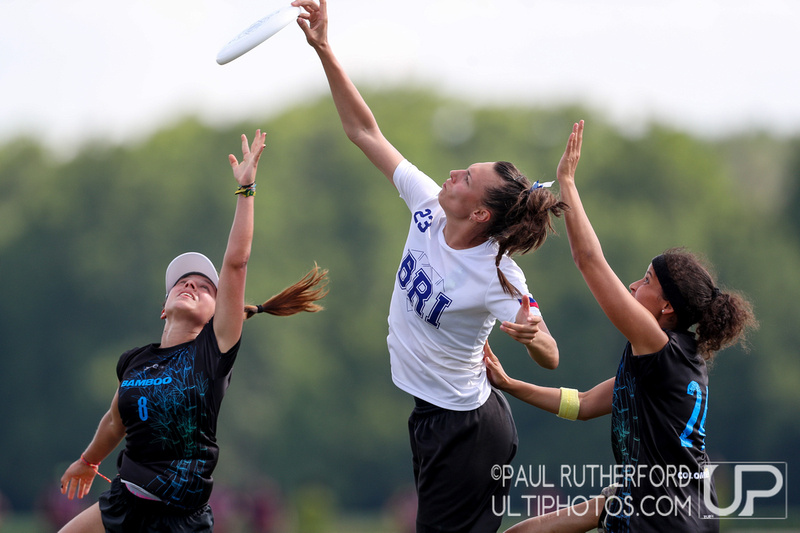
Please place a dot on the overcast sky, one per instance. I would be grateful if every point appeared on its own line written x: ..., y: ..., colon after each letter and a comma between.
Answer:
x: 71, y: 70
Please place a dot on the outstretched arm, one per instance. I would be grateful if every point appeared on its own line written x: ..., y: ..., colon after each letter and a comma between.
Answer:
x: 633, y: 320
x: 593, y: 403
x: 79, y: 476
x: 228, y: 317
x: 357, y: 119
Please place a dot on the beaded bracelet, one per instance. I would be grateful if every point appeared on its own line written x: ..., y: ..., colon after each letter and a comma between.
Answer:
x: 246, y: 190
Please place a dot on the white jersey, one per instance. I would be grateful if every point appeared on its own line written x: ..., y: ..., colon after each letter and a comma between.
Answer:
x: 444, y: 304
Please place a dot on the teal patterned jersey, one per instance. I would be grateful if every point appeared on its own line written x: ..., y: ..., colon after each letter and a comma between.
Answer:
x: 169, y: 401
x: 658, y: 435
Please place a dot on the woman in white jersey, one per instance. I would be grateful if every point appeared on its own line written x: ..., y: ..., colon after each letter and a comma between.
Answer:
x: 455, y: 279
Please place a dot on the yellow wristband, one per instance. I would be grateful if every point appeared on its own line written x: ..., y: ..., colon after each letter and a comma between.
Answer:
x: 570, y: 404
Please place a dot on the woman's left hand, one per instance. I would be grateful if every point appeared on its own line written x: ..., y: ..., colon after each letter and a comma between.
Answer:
x: 525, y: 325
x: 572, y: 154
x: 494, y: 370
x: 245, y: 172
x: 77, y: 480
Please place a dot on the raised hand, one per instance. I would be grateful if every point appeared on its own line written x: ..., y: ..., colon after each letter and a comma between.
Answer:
x: 245, y: 172
x: 314, y: 21
x: 572, y: 154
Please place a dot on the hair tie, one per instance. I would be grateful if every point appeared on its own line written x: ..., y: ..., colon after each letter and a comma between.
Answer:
x: 259, y: 308
x: 714, y: 293
x: 537, y: 185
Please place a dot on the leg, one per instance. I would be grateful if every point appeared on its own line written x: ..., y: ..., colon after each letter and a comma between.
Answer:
x: 576, y: 519
x: 455, y: 453
x: 89, y: 521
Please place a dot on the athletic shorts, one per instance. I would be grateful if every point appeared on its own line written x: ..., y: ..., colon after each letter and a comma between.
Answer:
x: 456, y: 456
x: 123, y: 512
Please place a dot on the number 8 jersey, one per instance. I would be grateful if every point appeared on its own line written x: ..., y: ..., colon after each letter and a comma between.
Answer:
x: 169, y: 400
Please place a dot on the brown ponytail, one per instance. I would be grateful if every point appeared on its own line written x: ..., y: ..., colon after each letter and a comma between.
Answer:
x: 299, y: 297
x: 521, y: 217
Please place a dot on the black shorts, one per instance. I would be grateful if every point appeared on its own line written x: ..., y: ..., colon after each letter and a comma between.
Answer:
x: 456, y: 455
x: 123, y: 512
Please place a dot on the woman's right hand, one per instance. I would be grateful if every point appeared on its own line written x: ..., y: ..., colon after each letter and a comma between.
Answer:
x: 313, y: 21
x: 77, y: 479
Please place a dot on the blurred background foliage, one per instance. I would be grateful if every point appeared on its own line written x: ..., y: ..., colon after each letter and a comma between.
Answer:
x: 312, y: 418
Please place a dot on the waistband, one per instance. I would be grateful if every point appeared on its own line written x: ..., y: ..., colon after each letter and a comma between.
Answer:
x: 425, y: 408
x: 421, y: 407
x: 139, y: 492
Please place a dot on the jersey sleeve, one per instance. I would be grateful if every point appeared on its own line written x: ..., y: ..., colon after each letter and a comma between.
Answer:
x: 124, y: 361
x: 502, y: 305
x: 216, y: 363
x: 413, y: 185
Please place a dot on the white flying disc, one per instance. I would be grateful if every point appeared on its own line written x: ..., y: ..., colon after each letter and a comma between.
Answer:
x: 257, y: 33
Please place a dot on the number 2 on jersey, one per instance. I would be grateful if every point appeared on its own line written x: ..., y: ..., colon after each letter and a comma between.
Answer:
x: 686, y: 441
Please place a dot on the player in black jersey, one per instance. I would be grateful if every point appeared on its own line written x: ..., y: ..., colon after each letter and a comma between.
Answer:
x: 169, y: 393
x: 659, y: 397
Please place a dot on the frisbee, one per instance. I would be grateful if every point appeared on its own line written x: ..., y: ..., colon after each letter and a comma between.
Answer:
x: 257, y: 33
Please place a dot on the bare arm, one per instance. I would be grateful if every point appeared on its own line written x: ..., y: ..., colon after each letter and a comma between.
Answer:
x: 594, y: 403
x: 228, y: 316
x: 79, y: 476
x: 635, y: 322
x: 357, y: 119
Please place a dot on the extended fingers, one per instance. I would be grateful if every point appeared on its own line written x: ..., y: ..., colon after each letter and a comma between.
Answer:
x: 577, y: 139
x: 572, y: 143
x: 312, y: 10
x: 308, y: 5
x: 259, y: 142
x: 488, y: 354
x: 87, y: 486
x: 522, y: 332
x: 70, y: 487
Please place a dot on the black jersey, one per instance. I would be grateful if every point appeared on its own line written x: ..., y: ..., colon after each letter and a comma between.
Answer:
x: 658, y: 438
x: 169, y: 400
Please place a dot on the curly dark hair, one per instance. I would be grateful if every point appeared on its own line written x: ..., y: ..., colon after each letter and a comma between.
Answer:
x: 722, y: 317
